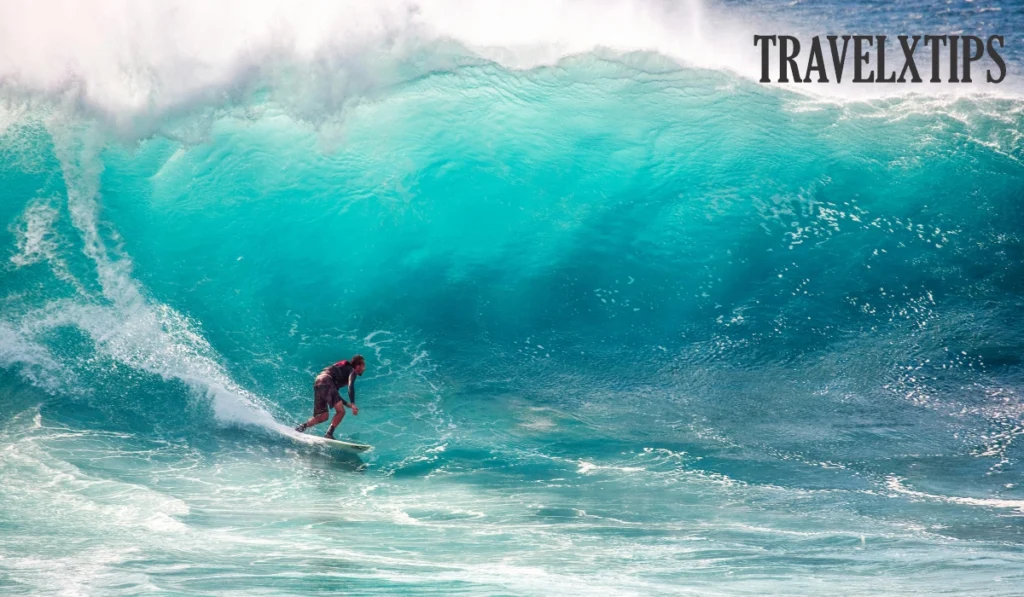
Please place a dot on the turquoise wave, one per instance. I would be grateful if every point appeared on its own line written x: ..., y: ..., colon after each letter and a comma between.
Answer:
x: 629, y: 325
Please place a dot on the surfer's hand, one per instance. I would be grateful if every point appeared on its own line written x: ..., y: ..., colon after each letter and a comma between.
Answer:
x: 355, y: 409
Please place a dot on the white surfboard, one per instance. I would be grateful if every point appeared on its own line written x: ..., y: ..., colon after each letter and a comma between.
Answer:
x: 319, y: 440
x: 340, y: 445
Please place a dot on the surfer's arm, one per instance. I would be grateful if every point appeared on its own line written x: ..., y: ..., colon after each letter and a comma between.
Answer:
x: 352, y: 393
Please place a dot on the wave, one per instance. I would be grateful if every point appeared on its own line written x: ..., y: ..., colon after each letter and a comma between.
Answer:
x: 800, y: 292
x: 611, y: 305
x: 179, y: 54
x: 123, y: 324
x: 137, y: 64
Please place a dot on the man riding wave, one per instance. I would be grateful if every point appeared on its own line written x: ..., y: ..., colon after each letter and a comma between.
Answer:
x: 326, y: 396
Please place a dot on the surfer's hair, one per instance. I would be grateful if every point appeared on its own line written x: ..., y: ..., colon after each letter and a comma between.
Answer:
x: 358, y: 360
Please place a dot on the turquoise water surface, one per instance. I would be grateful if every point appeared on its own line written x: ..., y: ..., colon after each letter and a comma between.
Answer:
x: 635, y: 325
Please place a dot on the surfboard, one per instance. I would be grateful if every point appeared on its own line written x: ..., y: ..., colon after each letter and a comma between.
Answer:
x: 338, y: 444
x: 319, y: 440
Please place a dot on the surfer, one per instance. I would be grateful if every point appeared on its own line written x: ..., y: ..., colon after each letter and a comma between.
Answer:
x: 326, y: 396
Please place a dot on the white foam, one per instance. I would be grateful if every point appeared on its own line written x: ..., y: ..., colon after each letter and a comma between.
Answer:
x: 32, y: 357
x: 33, y: 473
x: 585, y: 468
x: 146, y: 58
x: 158, y: 340
x: 11, y: 113
x: 121, y: 55
x: 896, y: 485
x: 35, y: 241
x: 124, y: 324
x: 56, y: 504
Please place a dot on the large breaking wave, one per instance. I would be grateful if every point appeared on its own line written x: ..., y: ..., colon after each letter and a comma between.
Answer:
x: 616, y: 298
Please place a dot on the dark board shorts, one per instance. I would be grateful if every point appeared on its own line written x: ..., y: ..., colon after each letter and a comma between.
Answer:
x: 325, y: 394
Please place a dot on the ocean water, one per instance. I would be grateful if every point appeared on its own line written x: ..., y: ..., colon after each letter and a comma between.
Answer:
x: 635, y: 324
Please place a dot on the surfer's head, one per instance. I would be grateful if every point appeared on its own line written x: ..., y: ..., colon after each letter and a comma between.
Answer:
x: 359, y: 363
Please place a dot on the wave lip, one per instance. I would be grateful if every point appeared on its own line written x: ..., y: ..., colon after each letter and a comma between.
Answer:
x: 135, y: 62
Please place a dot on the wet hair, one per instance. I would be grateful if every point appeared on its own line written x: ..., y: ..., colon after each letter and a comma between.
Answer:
x: 358, y: 360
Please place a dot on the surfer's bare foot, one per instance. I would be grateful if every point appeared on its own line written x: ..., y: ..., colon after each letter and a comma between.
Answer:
x: 301, y: 428
x: 329, y: 435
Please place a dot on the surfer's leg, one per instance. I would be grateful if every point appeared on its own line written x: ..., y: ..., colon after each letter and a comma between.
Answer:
x: 321, y: 410
x: 339, y: 414
x: 313, y: 421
